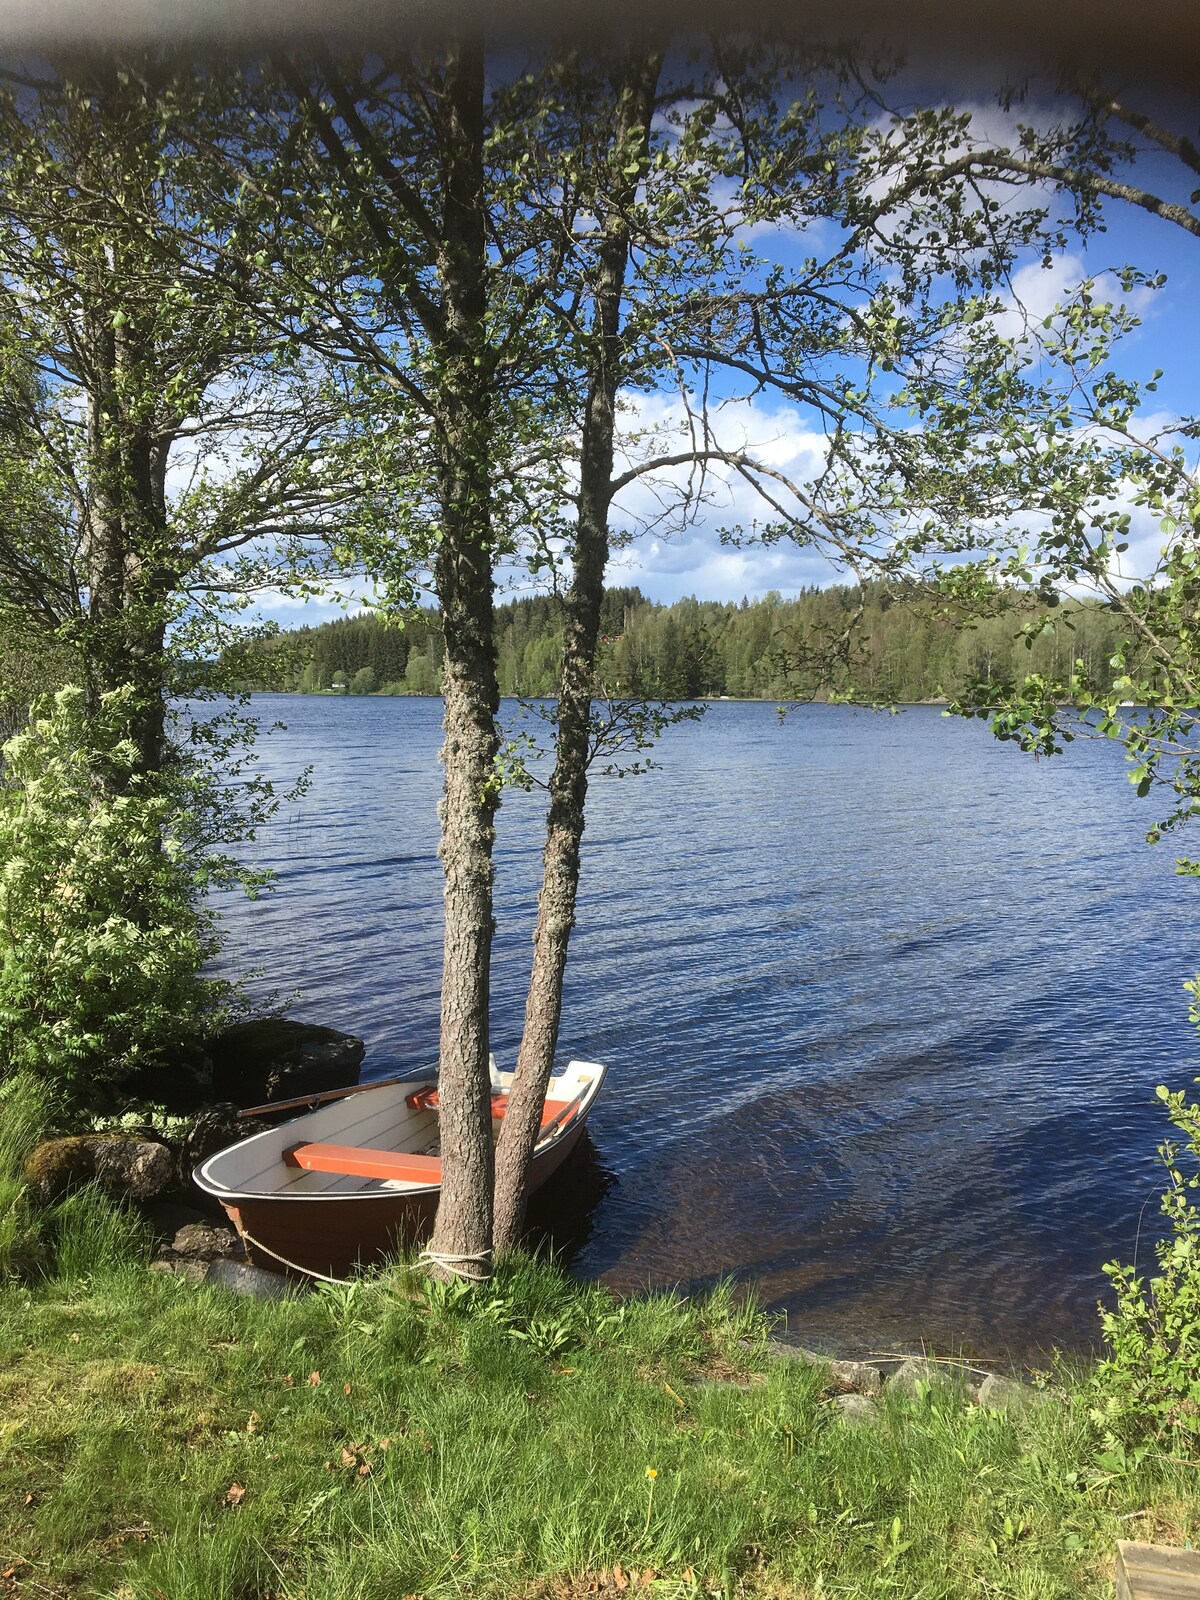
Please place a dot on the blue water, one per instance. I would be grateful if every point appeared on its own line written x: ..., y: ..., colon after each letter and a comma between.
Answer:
x: 884, y: 1001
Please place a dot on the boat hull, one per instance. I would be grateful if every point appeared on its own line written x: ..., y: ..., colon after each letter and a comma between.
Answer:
x: 329, y: 1235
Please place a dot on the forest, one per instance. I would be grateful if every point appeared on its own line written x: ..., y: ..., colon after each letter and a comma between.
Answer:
x: 904, y: 647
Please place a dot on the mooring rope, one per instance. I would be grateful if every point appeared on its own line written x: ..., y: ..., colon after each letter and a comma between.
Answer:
x: 309, y: 1272
x: 449, y: 1261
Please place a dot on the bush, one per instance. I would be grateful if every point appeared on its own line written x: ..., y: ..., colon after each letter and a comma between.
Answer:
x: 104, y: 927
x: 1149, y: 1385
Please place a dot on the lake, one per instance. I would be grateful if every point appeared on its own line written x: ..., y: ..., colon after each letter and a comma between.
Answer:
x: 884, y: 1001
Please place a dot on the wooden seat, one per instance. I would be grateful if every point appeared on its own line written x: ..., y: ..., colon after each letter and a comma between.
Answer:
x: 427, y: 1100
x: 422, y: 1099
x: 351, y: 1161
x: 1157, y: 1572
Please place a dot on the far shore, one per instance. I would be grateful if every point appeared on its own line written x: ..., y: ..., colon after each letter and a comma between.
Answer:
x: 703, y: 700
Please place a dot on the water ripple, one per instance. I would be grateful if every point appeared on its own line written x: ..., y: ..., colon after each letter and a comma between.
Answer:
x: 884, y: 1002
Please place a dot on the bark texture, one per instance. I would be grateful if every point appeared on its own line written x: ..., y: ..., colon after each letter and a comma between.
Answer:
x: 125, y: 532
x: 462, y: 1235
x: 568, y: 785
x: 125, y: 526
x: 447, y: 210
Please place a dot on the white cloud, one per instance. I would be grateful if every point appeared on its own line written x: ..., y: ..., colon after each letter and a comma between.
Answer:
x: 698, y: 565
x: 1038, y: 289
x: 343, y: 597
x: 990, y: 127
x: 667, y: 560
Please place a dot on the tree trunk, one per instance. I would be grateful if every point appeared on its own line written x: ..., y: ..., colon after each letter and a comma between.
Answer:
x: 568, y: 784
x: 126, y: 534
x: 462, y: 1236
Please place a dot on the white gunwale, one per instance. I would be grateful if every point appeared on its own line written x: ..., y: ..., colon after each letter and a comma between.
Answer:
x: 255, y: 1169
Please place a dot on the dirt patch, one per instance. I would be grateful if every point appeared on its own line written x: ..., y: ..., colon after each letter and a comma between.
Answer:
x: 116, y: 1380
x: 628, y: 1583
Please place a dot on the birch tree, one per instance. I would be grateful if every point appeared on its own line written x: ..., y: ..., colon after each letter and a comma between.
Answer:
x: 165, y: 454
x: 696, y: 159
x: 382, y: 174
x: 159, y: 446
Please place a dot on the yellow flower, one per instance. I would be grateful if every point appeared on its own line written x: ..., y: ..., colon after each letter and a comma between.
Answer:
x: 652, y: 1473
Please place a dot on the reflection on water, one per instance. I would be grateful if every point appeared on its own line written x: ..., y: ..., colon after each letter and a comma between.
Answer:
x: 884, y: 1002
x: 562, y: 1214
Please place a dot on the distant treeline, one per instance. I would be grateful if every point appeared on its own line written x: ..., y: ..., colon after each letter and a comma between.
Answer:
x: 906, y: 650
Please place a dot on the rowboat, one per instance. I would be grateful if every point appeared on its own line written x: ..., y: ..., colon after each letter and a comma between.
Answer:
x: 358, y: 1177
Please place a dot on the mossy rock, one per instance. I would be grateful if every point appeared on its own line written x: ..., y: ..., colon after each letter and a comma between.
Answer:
x: 126, y: 1169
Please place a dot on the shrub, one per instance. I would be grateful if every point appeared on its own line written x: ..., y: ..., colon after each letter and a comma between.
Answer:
x: 104, y: 928
x: 1149, y: 1385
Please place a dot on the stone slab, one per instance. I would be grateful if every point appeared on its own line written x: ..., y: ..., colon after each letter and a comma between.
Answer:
x: 240, y: 1278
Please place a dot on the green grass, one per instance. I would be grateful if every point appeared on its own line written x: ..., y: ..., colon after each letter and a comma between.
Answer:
x: 396, y: 1439
x: 25, y: 1110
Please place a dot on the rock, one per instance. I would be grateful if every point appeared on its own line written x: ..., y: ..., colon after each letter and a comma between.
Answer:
x: 847, y: 1377
x: 138, y: 1168
x: 180, y: 1085
x: 855, y: 1409
x: 200, y: 1241
x: 166, y: 1217
x: 126, y: 1169
x: 276, y: 1058
x: 189, y: 1271
x: 783, y: 1351
x: 916, y: 1370
x: 1007, y: 1394
x: 240, y: 1278
x: 856, y: 1377
x: 212, y: 1129
x: 194, y: 1247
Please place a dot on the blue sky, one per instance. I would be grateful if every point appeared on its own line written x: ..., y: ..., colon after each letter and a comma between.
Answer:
x: 696, y: 562
x: 1167, y: 339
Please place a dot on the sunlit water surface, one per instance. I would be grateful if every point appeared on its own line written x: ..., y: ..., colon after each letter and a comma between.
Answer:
x: 884, y: 1001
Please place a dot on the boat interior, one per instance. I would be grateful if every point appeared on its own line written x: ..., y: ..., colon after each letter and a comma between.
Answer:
x: 379, y: 1140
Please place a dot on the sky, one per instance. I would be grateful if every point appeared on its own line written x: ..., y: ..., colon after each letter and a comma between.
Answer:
x: 668, y: 566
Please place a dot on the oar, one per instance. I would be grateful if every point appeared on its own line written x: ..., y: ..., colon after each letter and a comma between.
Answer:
x: 315, y: 1100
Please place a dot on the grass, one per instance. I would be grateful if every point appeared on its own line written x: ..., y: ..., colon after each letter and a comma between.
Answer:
x: 534, y: 1439
x: 24, y: 1115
